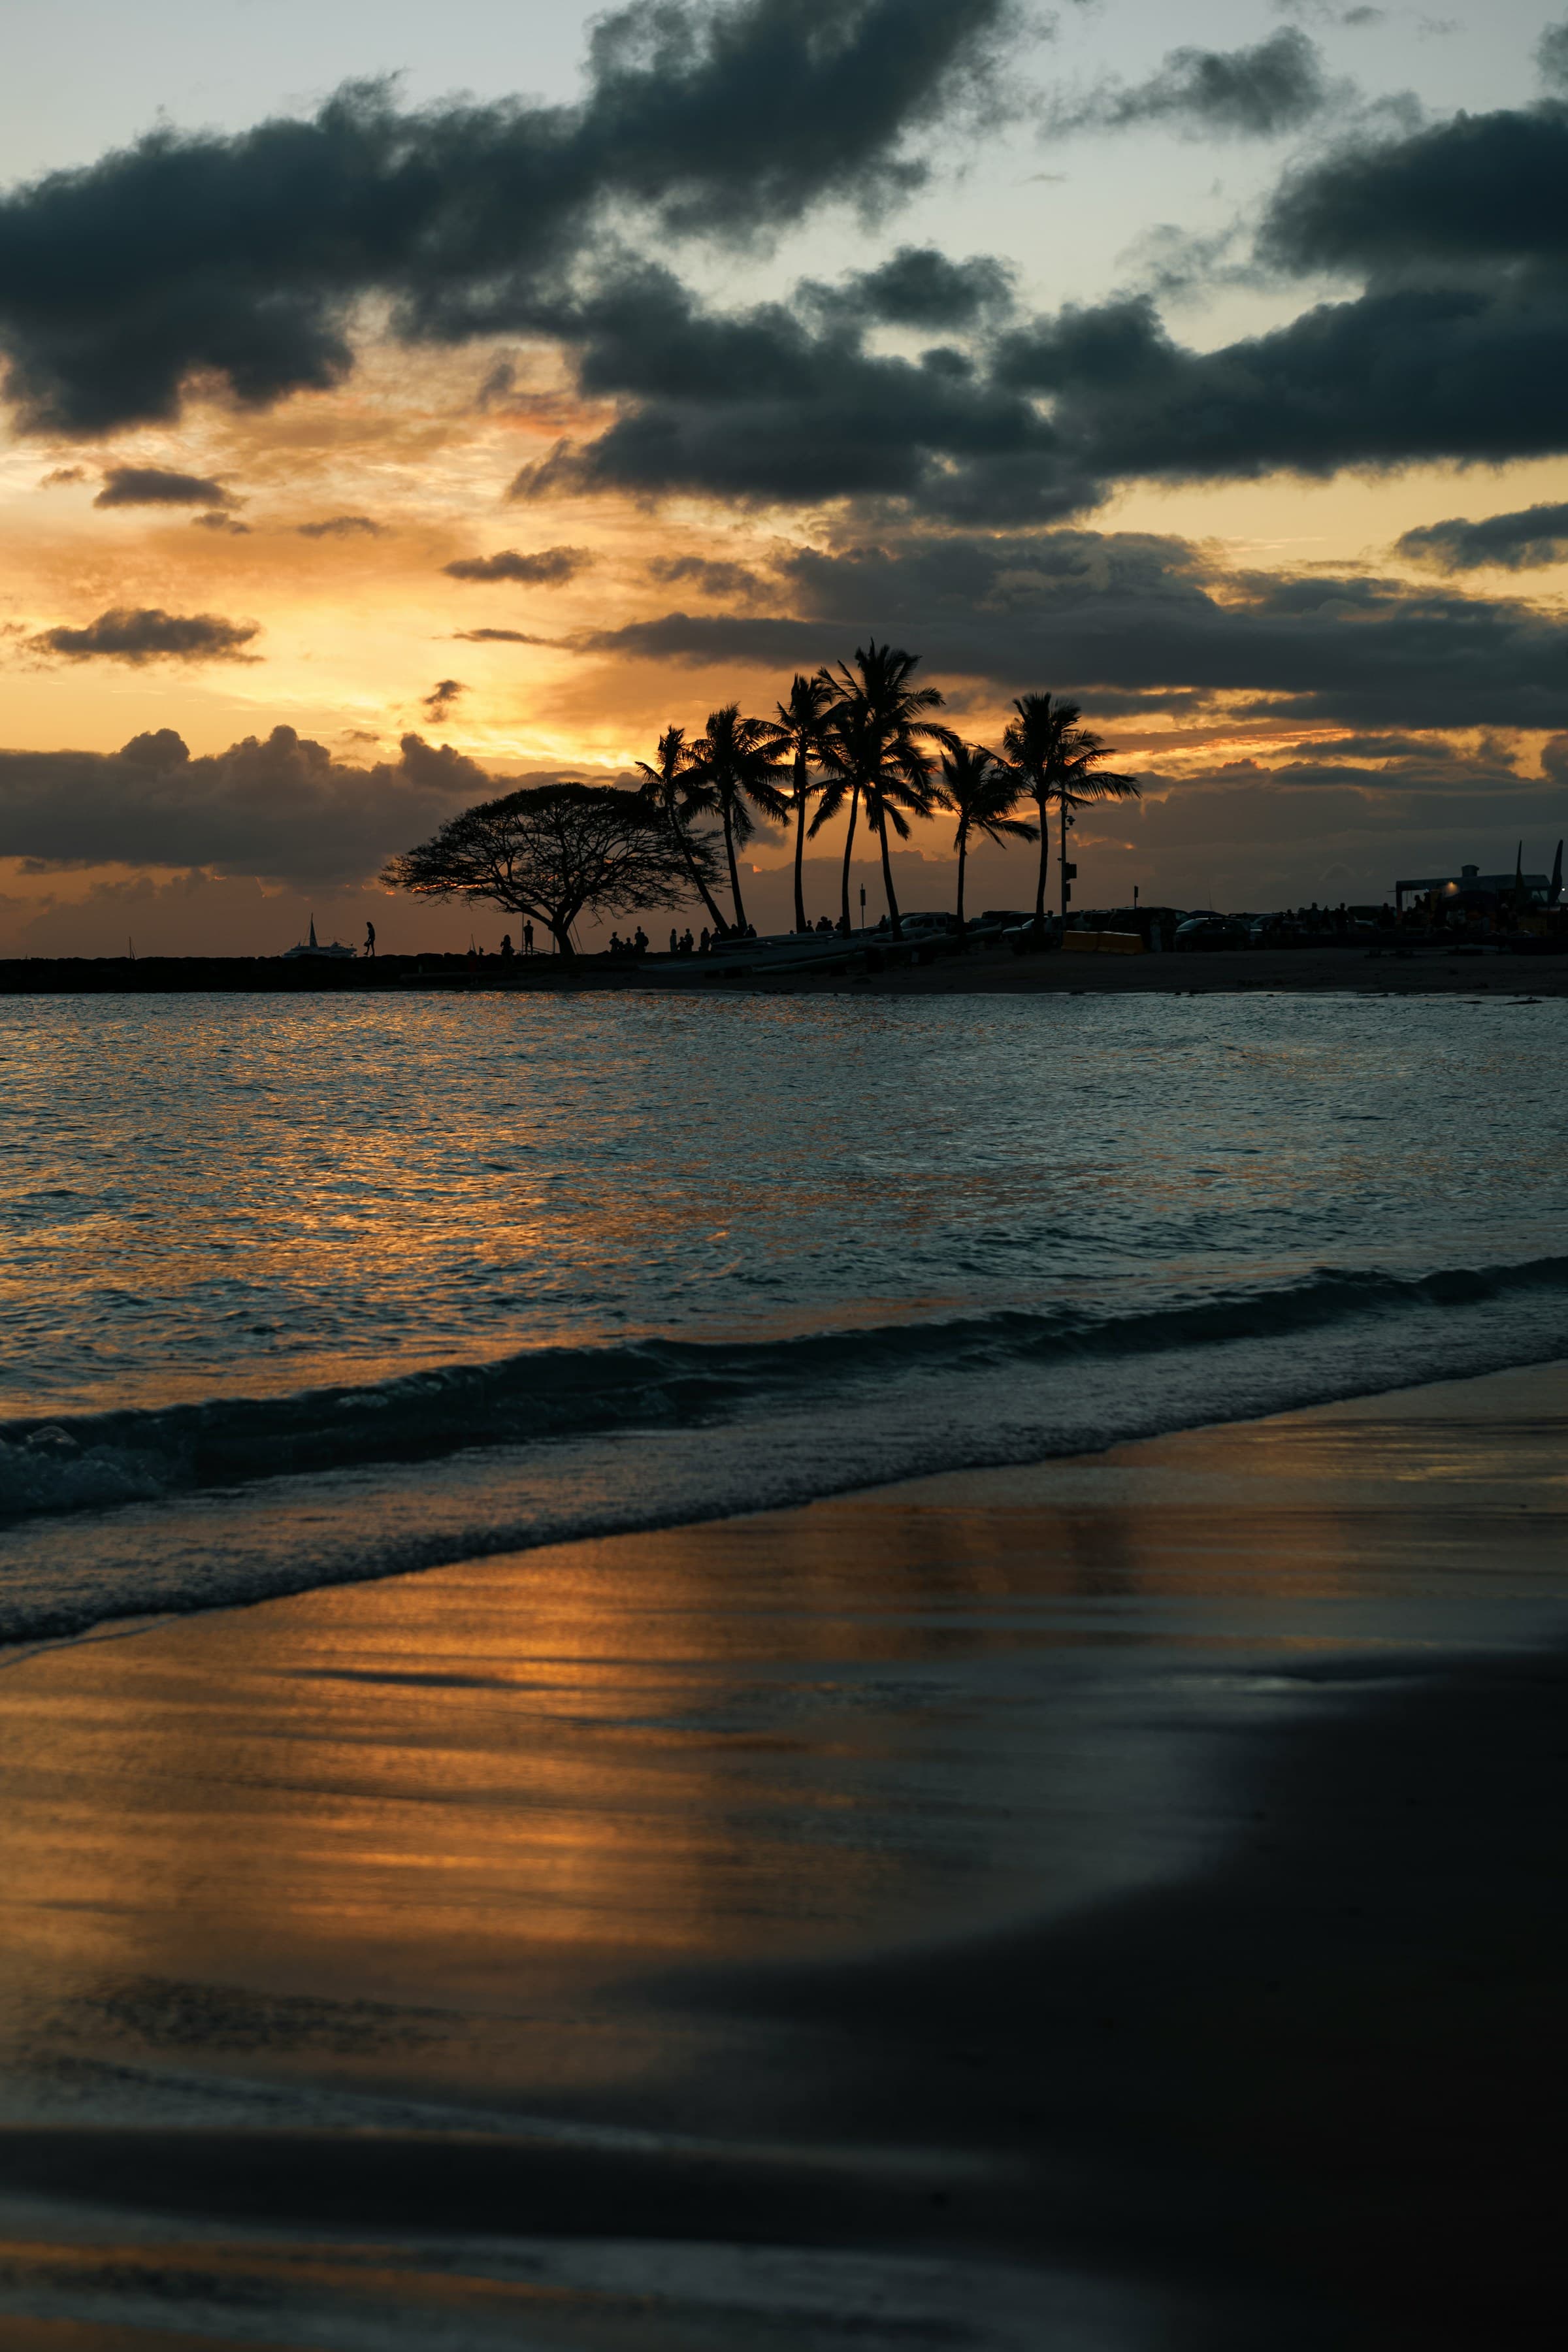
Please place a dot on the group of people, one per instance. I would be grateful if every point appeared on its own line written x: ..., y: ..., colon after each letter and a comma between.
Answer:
x: 681, y: 943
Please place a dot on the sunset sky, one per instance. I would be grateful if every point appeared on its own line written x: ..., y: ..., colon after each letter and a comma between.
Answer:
x: 482, y: 388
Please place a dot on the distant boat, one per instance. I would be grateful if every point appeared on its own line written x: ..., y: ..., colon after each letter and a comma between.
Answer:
x: 313, y: 947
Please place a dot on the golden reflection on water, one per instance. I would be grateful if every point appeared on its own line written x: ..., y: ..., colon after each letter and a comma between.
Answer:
x: 513, y: 1789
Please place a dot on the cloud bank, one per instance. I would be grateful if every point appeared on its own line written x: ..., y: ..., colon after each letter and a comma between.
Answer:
x: 279, y: 808
x: 244, y: 258
x: 1137, y: 623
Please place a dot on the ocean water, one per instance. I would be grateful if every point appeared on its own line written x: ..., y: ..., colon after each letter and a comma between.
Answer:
x: 300, y: 1291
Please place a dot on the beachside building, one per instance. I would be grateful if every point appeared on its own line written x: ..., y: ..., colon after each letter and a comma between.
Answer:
x: 1471, y: 890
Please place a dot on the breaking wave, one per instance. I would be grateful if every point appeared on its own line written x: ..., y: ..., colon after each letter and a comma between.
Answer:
x: 546, y: 1396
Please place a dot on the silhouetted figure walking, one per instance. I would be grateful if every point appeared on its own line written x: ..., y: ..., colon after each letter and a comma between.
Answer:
x: 370, y: 938
x: 527, y: 939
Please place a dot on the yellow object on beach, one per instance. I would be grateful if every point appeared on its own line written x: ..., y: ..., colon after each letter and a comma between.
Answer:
x: 1103, y: 942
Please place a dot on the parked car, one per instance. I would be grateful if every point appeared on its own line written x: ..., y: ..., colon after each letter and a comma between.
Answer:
x: 917, y: 925
x: 1210, y: 931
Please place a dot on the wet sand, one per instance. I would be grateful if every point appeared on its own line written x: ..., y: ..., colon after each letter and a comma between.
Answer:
x: 1110, y: 1904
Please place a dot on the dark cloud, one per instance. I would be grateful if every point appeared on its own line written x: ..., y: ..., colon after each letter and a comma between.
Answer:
x: 1522, y: 541
x: 1413, y: 373
x: 155, y: 485
x: 546, y: 567
x: 281, y: 809
x: 778, y: 406
x: 1477, y: 189
x: 709, y: 640
x: 243, y: 257
x: 917, y: 287
x: 711, y: 576
x: 438, y: 702
x: 1278, y: 85
x: 1456, y: 349
x: 1135, y: 621
x: 499, y: 638
x: 149, y: 634
x: 344, y: 526
x: 221, y: 522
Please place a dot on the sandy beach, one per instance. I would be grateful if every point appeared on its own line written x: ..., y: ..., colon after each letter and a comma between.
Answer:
x: 1111, y: 1901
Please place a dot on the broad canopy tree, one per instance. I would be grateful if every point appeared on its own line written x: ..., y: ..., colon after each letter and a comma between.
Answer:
x: 555, y: 853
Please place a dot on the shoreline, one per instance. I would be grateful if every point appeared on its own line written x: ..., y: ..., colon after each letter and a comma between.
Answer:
x: 1109, y: 1885
x: 1353, y: 970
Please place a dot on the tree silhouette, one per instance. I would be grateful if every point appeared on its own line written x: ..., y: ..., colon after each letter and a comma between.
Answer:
x: 667, y: 786
x: 797, y: 734
x: 735, y: 771
x: 873, y: 752
x: 983, y: 792
x: 1032, y: 744
x: 1080, y: 779
x: 554, y: 852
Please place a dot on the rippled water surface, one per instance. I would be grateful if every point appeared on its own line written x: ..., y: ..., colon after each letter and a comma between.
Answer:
x: 255, y: 1194
x: 305, y: 1290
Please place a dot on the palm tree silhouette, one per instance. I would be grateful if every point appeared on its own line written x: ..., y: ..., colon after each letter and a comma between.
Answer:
x: 1080, y: 779
x: 983, y: 792
x: 1056, y: 760
x: 1032, y: 743
x: 797, y: 735
x: 735, y: 771
x: 668, y: 785
x: 872, y: 751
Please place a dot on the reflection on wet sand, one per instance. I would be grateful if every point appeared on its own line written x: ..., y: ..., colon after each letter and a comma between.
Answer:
x: 708, y: 1888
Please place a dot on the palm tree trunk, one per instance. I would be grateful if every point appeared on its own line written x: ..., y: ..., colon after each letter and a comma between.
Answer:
x: 697, y: 883
x: 1064, y: 861
x: 848, y: 845
x: 888, y: 872
x: 799, y: 838
x: 735, y: 871
x: 1042, y: 805
x: 963, y: 853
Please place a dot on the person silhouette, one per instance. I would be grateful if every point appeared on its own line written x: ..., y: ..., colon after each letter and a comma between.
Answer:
x: 370, y: 938
x: 527, y: 939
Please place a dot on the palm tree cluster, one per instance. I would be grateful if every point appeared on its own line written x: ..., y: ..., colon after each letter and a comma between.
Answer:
x: 860, y: 740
